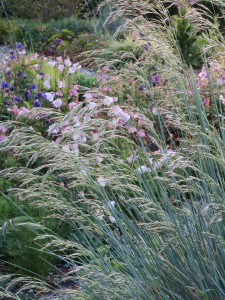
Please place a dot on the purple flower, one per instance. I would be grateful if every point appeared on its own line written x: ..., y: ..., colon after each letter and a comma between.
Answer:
x: 19, y: 46
x: 19, y: 74
x: 5, y: 85
x: 37, y: 103
x: 12, y: 56
x: 156, y: 79
x: 141, y: 87
x: 41, y: 95
x: 27, y: 95
x: 18, y: 99
x: 6, y: 102
x: 33, y: 86
x: 58, y: 41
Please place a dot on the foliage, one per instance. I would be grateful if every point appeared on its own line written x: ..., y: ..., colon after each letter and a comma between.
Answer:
x: 191, y: 44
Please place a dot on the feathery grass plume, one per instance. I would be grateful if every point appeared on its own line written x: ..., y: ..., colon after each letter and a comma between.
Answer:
x: 149, y: 229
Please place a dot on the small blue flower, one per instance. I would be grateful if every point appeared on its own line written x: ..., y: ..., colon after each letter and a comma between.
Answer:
x: 37, y: 103
x: 33, y: 86
x: 6, y: 102
x: 19, y: 74
x: 141, y: 87
x: 12, y: 56
x: 41, y: 95
x: 156, y: 79
x: 19, y: 46
x: 8, y: 73
x: 5, y: 85
x: 58, y: 41
x: 27, y: 95
x: 18, y: 99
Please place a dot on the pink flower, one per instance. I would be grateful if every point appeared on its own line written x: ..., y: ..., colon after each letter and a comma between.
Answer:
x: 109, y: 100
x: 206, y: 101
x: 61, y: 84
x: 118, y: 112
x: 59, y: 93
x: 2, y: 137
x: 57, y: 103
x: 72, y: 105
x: 79, y: 138
x: 107, y: 88
x: 74, y: 92
x: 222, y: 99
x: 23, y: 110
x: 2, y: 129
x: 88, y: 96
x: 141, y: 133
x: 14, y: 110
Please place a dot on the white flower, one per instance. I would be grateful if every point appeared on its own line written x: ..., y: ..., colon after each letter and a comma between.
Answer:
x: 50, y: 96
x: 143, y: 169
x: 88, y: 96
x: 109, y: 100
x: 99, y: 159
x: 47, y: 84
x: 67, y: 62
x: 52, y: 129
x: 117, y: 111
x: 91, y: 105
x: 75, y: 149
x: 102, y: 181
x: 61, y: 68
x: 74, y: 68
x: 66, y: 148
x: 57, y: 103
x: 61, y: 84
x: 112, y: 219
x: 52, y: 63
x: 133, y: 157
x: 79, y: 138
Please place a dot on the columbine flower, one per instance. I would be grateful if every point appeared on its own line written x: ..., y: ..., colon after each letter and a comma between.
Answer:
x: 67, y: 62
x: 57, y: 103
x: 117, y: 111
x: 41, y: 95
x: 141, y: 133
x: 2, y: 129
x: 109, y: 100
x: 57, y: 41
x: 50, y: 96
x: 133, y: 157
x: 47, y: 84
x: 91, y: 105
x: 5, y: 85
x: 79, y: 138
x: 61, y: 68
x: 33, y: 86
x: 88, y: 96
x: 52, y: 63
x: 74, y: 68
x: 18, y: 99
x: 156, y: 79
x: 72, y: 105
x: 2, y: 137
x: 19, y: 46
x: 73, y: 91
x: 53, y: 129
x: 141, y: 87
x: 37, y: 103
x: 222, y: 99
x: 27, y: 95
x: 61, y: 84
x: 143, y: 169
